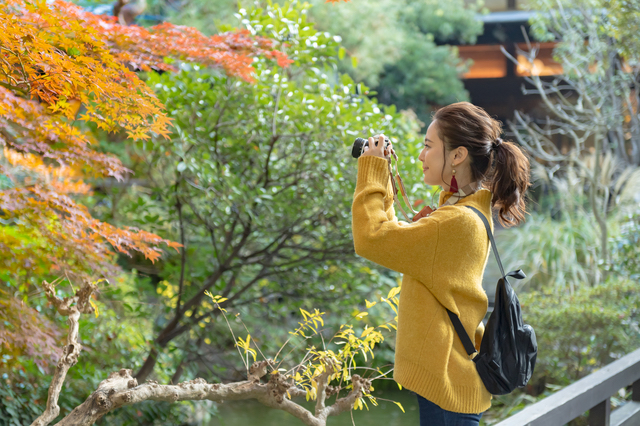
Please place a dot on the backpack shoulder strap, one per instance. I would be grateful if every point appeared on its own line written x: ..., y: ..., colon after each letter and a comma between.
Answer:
x: 490, y: 234
x: 462, y: 334
x: 515, y: 274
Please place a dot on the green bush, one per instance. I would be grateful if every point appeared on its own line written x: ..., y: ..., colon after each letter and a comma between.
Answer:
x: 577, y: 335
x: 626, y: 248
x: 581, y: 333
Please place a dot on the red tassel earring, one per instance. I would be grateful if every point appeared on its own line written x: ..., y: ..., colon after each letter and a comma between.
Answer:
x: 454, y: 183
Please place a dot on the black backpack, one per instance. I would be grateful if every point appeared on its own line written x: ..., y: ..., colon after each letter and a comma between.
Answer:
x: 508, y: 349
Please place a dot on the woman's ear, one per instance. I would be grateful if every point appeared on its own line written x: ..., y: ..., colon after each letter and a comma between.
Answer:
x: 458, y: 155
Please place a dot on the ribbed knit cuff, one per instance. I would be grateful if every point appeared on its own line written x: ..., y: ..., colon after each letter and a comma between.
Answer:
x: 372, y: 169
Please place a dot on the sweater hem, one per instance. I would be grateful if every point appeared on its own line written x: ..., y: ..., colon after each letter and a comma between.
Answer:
x: 455, y: 398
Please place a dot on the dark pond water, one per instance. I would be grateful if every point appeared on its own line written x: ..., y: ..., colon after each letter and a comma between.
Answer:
x: 250, y: 413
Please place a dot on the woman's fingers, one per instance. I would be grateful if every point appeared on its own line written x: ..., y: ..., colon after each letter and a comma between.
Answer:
x: 385, y: 150
x: 377, y: 150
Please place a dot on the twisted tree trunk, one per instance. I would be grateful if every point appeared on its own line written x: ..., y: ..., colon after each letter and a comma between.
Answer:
x: 71, y: 307
x: 121, y: 388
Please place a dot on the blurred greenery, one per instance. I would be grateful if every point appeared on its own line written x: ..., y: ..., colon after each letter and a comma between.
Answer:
x: 577, y: 335
x: 401, y: 50
x: 626, y: 248
x: 396, y: 47
x: 273, y: 157
x: 555, y: 248
x: 581, y: 333
x: 559, y: 246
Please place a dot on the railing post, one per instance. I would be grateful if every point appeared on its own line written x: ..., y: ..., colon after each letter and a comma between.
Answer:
x: 600, y: 415
x: 635, y: 391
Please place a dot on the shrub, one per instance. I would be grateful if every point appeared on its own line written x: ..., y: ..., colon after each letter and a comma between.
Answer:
x: 581, y: 333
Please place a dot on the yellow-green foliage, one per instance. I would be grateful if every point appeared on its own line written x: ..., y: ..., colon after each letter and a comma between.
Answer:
x: 338, y: 356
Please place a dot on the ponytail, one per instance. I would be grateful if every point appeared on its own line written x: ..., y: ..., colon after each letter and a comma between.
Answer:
x: 501, y: 166
x: 508, y: 180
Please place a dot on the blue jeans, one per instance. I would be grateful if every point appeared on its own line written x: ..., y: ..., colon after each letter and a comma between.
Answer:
x: 432, y: 415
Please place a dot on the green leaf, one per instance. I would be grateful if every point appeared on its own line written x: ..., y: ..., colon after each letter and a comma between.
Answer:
x: 341, y: 52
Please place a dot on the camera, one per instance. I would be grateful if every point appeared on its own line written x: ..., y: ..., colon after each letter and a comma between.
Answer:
x: 360, y: 143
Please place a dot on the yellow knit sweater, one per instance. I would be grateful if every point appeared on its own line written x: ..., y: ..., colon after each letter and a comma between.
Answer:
x: 442, y: 258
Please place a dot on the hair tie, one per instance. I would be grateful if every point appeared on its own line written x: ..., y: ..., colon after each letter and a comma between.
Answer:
x: 496, y: 143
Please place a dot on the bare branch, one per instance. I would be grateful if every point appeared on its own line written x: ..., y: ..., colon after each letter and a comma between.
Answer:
x: 71, y: 307
x: 121, y: 389
x: 360, y: 385
x: 323, y: 381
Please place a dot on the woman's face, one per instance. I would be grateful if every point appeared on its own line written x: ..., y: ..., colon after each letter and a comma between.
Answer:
x: 432, y: 157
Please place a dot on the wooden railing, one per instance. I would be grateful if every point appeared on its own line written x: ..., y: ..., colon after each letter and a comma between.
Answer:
x: 592, y: 393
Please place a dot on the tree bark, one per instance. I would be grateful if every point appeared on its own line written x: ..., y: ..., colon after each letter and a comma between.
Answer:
x: 121, y: 389
x: 71, y: 307
x: 127, y: 10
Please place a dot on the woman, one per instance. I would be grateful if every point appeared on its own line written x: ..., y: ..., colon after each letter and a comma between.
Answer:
x: 443, y: 254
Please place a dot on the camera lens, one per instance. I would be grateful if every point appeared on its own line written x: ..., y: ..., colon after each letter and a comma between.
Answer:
x: 356, y: 150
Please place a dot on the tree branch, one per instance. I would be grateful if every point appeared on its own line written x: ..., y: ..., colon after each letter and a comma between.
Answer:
x: 71, y: 307
x: 121, y: 389
x: 346, y: 403
x: 183, y: 257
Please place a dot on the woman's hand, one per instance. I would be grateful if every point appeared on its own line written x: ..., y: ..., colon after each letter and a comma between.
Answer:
x: 378, y: 151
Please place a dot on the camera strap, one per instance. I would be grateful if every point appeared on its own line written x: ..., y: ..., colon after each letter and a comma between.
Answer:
x: 402, y: 190
x: 453, y: 199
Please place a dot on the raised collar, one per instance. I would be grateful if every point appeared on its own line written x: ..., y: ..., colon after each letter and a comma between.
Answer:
x: 481, y: 196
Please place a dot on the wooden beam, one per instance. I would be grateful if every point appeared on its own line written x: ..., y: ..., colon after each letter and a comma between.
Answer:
x: 627, y: 415
x: 579, y: 397
x: 600, y: 415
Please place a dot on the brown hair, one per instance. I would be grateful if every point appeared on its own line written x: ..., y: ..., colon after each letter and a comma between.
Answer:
x: 501, y: 166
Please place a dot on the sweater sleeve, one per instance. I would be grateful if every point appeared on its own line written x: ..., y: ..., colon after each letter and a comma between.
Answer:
x: 408, y: 248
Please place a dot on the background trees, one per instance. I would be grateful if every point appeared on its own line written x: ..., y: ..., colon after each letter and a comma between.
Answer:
x: 399, y: 48
x: 587, y: 148
x: 256, y: 182
x: 395, y: 47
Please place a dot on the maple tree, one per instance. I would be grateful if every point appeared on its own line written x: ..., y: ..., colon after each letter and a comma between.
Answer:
x: 62, y: 70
